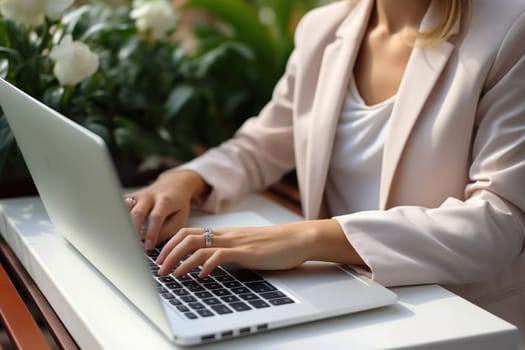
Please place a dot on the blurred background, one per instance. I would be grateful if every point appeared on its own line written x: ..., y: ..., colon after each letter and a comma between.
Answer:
x: 160, y: 81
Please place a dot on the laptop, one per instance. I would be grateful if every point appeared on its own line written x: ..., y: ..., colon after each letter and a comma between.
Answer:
x: 77, y: 182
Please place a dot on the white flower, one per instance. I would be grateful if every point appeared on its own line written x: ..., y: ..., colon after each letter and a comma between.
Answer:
x: 55, y: 8
x: 157, y: 16
x: 26, y: 12
x: 74, y: 61
x: 31, y: 13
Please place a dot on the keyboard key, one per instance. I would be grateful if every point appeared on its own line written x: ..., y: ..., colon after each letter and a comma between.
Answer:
x: 182, y: 308
x: 205, y: 313
x: 240, y: 306
x: 166, y: 279
x: 188, y: 299
x: 218, y: 272
x: 225, y: 278
x: 260, y: 286
x: 154, y: 254
x: 258, y: 303
x: 196, y: 270
x: 221, y: 292
x: 184, y: 278
x: 175, y: 301
x: 212, y: 301
x: 240, y: 290
x: 230, y: 298
x: 196, y: 306
x: 232, y: 284
x: 173, y: 285
x: 180, y: 292
x: 212, y: 285
x: 272, y: 295
x: 203, y: 280
x: 241, y: 274
x: 167, y: 295
x: 193, y: 286
x: 203, y: 295
x: 190, y: 315
x: 221, y: 309
x: 249, y: 296
x: 281, y: 301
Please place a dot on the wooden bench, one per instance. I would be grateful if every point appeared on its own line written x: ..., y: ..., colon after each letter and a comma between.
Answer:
x: 285, y: 194
x: 27, y: 321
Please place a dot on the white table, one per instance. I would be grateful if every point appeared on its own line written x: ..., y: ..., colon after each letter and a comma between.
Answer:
x: 97, y: 316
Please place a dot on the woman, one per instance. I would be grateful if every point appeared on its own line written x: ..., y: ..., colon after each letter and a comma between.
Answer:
x: 409, y: 147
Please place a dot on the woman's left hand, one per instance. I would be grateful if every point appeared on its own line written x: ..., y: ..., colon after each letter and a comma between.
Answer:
x: 277, y: 247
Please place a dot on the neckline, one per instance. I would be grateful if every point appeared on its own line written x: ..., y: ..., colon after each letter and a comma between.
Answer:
x: 355, y: 90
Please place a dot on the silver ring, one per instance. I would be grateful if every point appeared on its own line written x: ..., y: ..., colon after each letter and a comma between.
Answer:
x: 208, y: 237
x: 130, y: 200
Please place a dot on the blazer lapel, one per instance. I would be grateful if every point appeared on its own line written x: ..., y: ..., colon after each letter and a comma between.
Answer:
x: 413, y: 93
x: 336, y: 68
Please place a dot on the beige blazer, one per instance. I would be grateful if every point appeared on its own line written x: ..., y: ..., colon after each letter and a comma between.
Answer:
x: 452, y: 197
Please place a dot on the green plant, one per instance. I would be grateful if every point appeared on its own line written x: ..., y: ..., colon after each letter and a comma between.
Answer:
x: 238, y: 57
x: 152, y: 98
x: 123, y: 100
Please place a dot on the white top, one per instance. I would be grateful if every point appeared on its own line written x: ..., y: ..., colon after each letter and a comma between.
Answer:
x: 355, y: 171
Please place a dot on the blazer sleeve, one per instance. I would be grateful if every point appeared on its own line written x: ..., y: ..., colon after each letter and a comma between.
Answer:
x: 258, y: 155
x: 466, y: 240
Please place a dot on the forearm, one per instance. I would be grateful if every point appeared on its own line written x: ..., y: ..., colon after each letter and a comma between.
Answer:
x: 325, y: 240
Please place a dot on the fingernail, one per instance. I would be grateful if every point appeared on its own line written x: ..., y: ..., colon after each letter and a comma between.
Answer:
x: 148, y: 244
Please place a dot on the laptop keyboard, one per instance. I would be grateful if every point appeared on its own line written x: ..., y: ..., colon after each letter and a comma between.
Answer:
x: 226, y: 290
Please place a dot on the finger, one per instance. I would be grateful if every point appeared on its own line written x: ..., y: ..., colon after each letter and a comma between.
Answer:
x: 178, y: 238
x: 195, y: 260
x: 172, y: 224
x: 156, y: 218
x: 179, y: 248
x: 140, y: 211
x: 172, y: 243
x: 130, y: 200
x: 155, y: 222
x: 219, y: 256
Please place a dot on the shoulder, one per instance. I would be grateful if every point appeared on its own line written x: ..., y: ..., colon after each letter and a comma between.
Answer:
x: 496, y: 29
x: 323, y: 21
x: 497, y: 17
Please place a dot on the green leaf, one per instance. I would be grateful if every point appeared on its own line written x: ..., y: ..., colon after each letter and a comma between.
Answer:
x: 70, y: 19
x: 244, y: 21
x: 53, y: 97
x: 102, y: 27
x: 4, y: 68
x: 282, y: 11
x: 7, y: 141
x: 178, y: 98
x: 143, y: 142
x: 221, y: 58
x: 11, y: 53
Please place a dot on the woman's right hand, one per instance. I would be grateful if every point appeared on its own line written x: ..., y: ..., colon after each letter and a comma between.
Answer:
x: 163, y: 207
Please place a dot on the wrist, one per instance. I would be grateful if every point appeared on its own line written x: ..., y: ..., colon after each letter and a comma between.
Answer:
x: 188, y: 180
x: 326, y: 241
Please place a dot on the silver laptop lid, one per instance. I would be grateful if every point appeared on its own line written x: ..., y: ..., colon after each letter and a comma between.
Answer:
x: 74, y: 174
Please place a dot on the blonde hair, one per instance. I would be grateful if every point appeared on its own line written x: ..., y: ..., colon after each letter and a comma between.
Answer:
x: 451, y: 12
